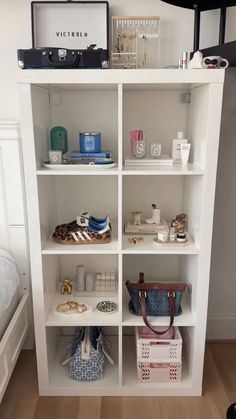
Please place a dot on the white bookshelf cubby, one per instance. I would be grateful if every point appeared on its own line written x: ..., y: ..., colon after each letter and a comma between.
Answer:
x: 115, y: 102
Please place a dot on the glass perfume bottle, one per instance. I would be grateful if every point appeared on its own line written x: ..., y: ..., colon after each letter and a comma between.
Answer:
x: 80, y: 278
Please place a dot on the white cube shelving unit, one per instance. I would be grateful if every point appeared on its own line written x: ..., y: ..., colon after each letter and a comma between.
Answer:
x: 114, y: 102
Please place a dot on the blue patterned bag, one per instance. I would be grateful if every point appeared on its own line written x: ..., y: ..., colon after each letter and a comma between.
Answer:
x: 87, y: 359
x: 155, y: 299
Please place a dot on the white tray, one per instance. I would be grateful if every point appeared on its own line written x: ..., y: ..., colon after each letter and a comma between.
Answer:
x: 78, y: 166
x: 164, y: 159
x: 145, y: 228
x: 169, y: 245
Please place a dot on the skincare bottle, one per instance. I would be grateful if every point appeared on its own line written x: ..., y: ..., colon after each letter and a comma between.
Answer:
x: 172, y: 235
x: 184, y: 61
x: 184, y: 152
x: 176, y: 156
x: 80, y: 278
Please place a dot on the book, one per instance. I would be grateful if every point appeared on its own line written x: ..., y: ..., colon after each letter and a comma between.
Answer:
x: 84, y: 161
x: 78, y: 155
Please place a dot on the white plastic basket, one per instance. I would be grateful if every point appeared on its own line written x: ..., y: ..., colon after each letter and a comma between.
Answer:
x: 159, y: 372
x: 154, y: 349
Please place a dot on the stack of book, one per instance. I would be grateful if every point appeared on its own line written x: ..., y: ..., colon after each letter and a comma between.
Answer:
x: 103, y: 157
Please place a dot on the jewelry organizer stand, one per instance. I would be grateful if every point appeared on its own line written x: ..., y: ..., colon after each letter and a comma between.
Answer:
x: 116, y: 101
x: 135, y: 41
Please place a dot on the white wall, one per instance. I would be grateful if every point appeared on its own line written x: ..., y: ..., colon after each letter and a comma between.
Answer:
x: 176, y: 36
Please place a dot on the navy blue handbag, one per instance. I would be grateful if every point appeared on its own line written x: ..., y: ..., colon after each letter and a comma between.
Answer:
x: 155, y: 299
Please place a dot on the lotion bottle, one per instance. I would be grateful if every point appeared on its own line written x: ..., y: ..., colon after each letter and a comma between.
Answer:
x: 176, y: 146
x: 184, y: 151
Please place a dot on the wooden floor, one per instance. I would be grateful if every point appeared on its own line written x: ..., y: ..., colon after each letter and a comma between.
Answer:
x: 21, y: 400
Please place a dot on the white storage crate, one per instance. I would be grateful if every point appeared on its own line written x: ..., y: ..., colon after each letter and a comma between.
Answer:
x: 159, y: 372
x: 154, y: 349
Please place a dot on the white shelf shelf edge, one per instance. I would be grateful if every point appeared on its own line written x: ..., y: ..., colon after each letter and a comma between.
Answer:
x: 81, y: 172
x: 190, y: 170
x: 53, y: 248
x: 164, y: 170
x: 113, y: 76
x: 147, y: 247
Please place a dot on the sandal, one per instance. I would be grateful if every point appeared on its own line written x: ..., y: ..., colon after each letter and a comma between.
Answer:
x: 85, y: 229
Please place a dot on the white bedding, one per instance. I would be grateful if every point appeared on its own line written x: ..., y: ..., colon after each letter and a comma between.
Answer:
x: 6, y: 316
x: 9, y: 285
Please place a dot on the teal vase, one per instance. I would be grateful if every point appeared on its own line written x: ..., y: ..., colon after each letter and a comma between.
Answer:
x: 59, y: 139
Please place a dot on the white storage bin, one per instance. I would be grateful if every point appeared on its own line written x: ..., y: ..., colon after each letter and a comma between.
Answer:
x: 159, y: 372
x: 154, y: 349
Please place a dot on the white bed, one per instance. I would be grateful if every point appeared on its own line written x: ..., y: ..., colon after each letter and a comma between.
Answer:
x: 9, y: 289
x: 15, y: 313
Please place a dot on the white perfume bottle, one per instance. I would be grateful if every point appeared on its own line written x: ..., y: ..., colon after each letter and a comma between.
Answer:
x: 176, y: 146
x: 172, y: 235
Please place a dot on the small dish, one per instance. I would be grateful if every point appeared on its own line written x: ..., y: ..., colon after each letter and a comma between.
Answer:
x: 106, y: 306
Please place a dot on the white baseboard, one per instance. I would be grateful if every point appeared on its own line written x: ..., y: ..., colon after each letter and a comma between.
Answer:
x: 221, y: 328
